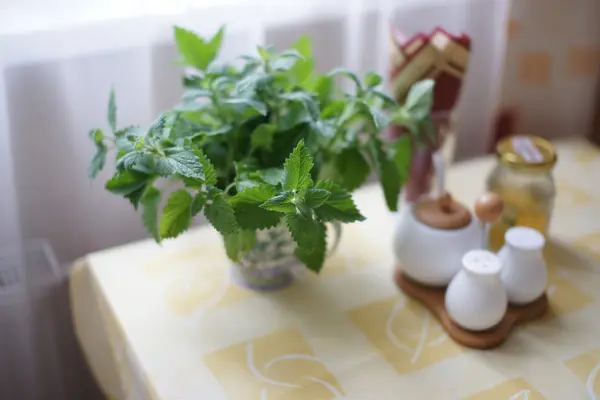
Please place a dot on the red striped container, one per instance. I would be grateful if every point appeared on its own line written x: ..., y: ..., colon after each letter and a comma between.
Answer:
x: 442, y: 57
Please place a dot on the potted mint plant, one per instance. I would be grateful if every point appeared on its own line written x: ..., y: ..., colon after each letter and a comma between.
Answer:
x: 268, y: 150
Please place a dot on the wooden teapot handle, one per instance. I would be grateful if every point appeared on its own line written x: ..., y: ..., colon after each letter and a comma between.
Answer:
x: 488, y: 209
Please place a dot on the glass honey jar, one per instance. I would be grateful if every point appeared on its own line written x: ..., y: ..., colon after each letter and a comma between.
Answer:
x: 523, y: 179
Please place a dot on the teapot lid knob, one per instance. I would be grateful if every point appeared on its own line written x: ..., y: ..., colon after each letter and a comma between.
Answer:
x: 445, y: 202
x: 489, y: 207
x: 442, y: 213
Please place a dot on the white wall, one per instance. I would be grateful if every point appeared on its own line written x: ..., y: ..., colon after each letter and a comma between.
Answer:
x: 55, y: 85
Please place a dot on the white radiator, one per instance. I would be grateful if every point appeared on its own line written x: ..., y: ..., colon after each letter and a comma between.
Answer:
x: 39, y: 356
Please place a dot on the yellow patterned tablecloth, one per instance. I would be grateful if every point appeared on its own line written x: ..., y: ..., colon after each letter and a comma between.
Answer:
x: 165, y: 322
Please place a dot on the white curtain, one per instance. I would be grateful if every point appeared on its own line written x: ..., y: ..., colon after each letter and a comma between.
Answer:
x: 55, y: 75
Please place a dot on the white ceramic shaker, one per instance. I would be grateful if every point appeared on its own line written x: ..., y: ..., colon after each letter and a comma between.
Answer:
x: 524, y: 274
x: 476, y: 299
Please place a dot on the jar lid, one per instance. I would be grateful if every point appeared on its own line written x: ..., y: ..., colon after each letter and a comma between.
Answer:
x: 527, y: 153
x: 443, y: 213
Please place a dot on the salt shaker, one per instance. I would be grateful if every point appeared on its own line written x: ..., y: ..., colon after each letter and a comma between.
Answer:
x: 524, y: 273
x: 475, y: 298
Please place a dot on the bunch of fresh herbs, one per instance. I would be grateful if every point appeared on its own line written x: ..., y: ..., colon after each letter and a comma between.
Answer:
x: 262, y: 141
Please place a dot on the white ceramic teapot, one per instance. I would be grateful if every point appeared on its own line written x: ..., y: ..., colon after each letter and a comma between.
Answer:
x: 432, y: 237
x: 434, y: 233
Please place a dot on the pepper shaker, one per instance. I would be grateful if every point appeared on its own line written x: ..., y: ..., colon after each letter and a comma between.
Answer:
x: 524, y: 273
x: 475, y: 298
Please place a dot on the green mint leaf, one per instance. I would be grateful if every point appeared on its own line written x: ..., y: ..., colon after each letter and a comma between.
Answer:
x: 314, y: 198
x: 98, y: 160
x: 120, y: 153
x: 150, y: 202
x: 158, y: 126
x: 297, y: 169
x: 125, y: 139
x: 283, y: 202
x: 291, y: 53
x: 195, y: 93
x: 303, y: 230
x: 339, y: 206
x: 249, y: 214
x: 304, y: 47
x: 401, y: 116
x: 265, y: 53
x: 389, y: 176
x: 306, y: 100
x: 304, y: 67
x: 388, y: 101
x: 372, y: 80
x: 126, y: 182
x: 242, y: 104
x: 97, y: 135
x: 214, y: 45
x: 145, y: 164
x: 129, y: 132
x: 210, y: 175
x: 196, y: 51
x: 193, y: 106
x: 324, y: 87
x: 287, y: 60
x: 182, y: 162
x: 224, y: 76
x: 164, y: 168
x: 420, y: 98
x: 242, y: 184
x: 135, y: 197
x: 284, y: 64
x: 239, y: 243
x: 323, y: 130
x: 375, y: 115
x: 246, y: 175
x: 193, y: 81
x: 314, y: 258
x: 428, y: 126
x: 220, y: 214
x: 176, y: 217
x: 401, y: 152
x: 293, y: 114
x: 349, y: 111
x: 333, y: 109
x: 198, y: 202
x: 112, y: 111
x: 183, y: 127
x: 166, y: 143
x: 284, y: 144
x: 252, y: 65
x: 223, y: 129
x: 272, y: 176
x: 351, y: 168
x: 262, y: 137
x: 404, y: 118
x: 254, y: 81
x: 350, y: 75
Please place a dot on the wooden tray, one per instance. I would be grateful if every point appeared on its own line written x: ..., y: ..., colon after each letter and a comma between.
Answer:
x: 433, y: 299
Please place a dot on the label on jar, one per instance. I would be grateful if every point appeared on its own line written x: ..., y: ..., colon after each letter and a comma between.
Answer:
x: 526, y: 149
